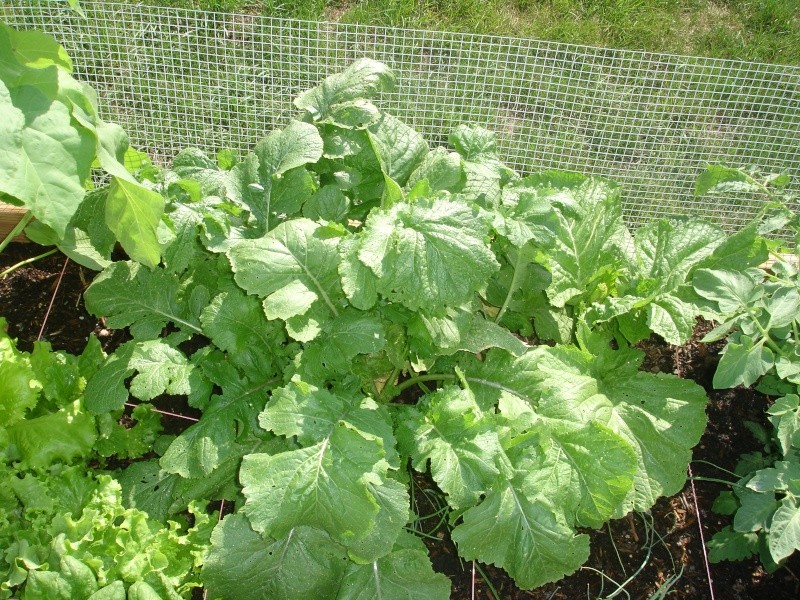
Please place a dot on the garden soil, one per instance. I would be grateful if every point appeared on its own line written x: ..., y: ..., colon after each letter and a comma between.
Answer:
x: 658, y: 555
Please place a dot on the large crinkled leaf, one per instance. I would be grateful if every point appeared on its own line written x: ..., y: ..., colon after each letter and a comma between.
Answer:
x: 229, y: 417
x: 145, y: 300
x: 293, y: 253
x: 311, y: 414
x: 345, y: 337
x: 159, y: 369
x: 403, y: 574
x: 661, y: 416
x: 362, y: 79
x: 525, y: 215
x: 588, y: 242
x: 654, y: 300
x: 44, y: 157
x: 428, y: 255
x: 441, y: 169
x: 325, y: 485
x: 450, y: 430
x: 399, y: 147
x: 500, y: 379
x: 524, y: 537
x: 586, y: 471
x: 235, y: 322
x: 294, y: 146
x: 483, y: 168
x: 242, y: 565
x: 668, y: 250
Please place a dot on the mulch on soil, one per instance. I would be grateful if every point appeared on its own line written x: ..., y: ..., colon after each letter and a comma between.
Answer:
x: 646, y: 553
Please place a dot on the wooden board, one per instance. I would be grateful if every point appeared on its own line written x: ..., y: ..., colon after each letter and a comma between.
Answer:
x: 9, y: 217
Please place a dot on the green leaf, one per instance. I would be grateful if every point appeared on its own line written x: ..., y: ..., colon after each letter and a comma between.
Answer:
x: 243, y: 565
x: 294, y: 146
x: 728, y: 544
x: 229, y: 417
x: 755, y: 510
x: 784, y: 414
x: 731, y: 290
x: 292, y: 254
x: 61, y: 436
x: 661, y: 416
x: 462, y: 445
x: 428, y: 255
x: 362, y: 79
x: 345, y: 337
x: 521, y: 536
x: 30, y: 49
x: 358, y: 281
x: 324, y: 485
x: 128, y: 295
x: 44, y: 157
x: 441, y: 169
x: 720, y: 179
x: 19, y: 387
x: 133, y: 213
x: 399, y: 148
x: 784, y: 532
x: 160, y: 367
x: 80, y: 577
x: 587, y: 244
x: 585, y: 471
x: 235, y: 322
x: 403, y: 574
x: 742, y: 363
x: 113, y: 591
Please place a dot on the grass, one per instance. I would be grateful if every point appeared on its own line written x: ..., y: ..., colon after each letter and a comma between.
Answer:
x: 762, y: 31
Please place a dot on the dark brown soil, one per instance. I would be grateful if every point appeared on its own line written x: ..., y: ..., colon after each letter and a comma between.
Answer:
x: 643, y: 554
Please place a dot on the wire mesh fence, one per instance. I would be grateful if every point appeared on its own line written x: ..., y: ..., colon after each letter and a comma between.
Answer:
x: 176, y: 77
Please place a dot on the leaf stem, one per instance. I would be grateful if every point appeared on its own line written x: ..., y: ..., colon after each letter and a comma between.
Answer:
x: 512, y: 288
x: 399, y: 389
x: 23, y: 222
x: 27, y: 261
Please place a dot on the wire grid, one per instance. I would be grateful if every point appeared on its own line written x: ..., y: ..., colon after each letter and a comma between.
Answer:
x: 175, y: 78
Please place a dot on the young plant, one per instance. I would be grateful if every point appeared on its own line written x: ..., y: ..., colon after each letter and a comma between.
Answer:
x: 759, y: 313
